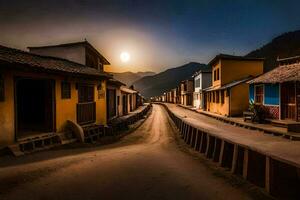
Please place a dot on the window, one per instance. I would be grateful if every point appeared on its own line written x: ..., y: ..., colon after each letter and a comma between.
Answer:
x: 118, y: 100
x: 85, y: 93
x: 197, y: 82
x: 65, y: 90
x: 218, y: 74
x: 2, y: 91
x: 259, y: 94
x: 222, y: 96
x: 215, y: 75
x: 213, y: 97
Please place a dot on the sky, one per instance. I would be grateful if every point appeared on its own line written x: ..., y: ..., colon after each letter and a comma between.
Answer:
x: 158, y: 34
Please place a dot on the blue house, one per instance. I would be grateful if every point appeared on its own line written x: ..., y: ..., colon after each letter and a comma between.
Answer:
x: 279, y: 90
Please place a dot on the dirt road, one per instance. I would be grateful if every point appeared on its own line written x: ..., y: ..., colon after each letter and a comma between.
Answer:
x: 147, y: 164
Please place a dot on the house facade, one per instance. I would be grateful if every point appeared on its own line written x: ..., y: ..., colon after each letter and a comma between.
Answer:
x: 178, y: 94
x: 113, y: 99
x: 279, y: 90
x: 187, y: 90
x: 229, y: 92
x: 173, y: 95
x: 202, y: 80
x: 40, y: 93
x: 129, y: 100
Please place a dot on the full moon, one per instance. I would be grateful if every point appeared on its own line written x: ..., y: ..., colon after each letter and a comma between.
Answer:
x: 125, y: 57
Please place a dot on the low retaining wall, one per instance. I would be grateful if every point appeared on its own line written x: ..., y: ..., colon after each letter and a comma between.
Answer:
x: 278, y: 178
x: 122, y: 123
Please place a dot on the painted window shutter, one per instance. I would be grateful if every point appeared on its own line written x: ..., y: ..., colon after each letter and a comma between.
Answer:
x: 271, y: 94
x: 251, y: 92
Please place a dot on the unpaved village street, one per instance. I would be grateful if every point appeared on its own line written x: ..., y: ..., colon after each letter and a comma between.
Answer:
x: 149, y: 163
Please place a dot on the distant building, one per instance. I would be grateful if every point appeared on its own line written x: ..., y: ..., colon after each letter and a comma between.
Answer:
x: 202, y: 80
x: 229, y: 92
x: 178, y: 94
x: 113, y: 99
x: 279, y: 90
x: 173, y: 95
x: 187, y: 90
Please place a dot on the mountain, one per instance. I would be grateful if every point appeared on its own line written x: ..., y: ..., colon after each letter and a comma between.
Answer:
x: 164, y: 81
x: 285, y: 45
x: 129, y: 77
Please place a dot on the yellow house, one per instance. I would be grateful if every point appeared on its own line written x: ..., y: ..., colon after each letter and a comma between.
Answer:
x: 228, y: 94
x: 40, y: 93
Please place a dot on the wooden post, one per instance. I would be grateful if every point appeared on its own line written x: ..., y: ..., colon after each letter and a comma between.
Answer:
x: 234, y: 158
x: 201, y: 142
x: 221, y: 152
x: 245, y: 164
x: 192, y: 137
x: 207, y: 144
x: 196, y: 139
x: 268, y: 174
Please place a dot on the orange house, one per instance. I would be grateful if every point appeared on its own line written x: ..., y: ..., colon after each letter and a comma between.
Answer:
x: 229, y: 92
x: 40, y: 94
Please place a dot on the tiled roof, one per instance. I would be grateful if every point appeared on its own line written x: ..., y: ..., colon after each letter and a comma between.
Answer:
x: 280, y: 74
x: 128, y: 90
x: 45, y: 63
x: 113, y: 81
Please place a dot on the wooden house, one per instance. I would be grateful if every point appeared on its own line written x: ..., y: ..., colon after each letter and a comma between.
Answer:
x: 40, y: 93
x: 173, y: 95
x: 178, y: 94
x: 279, y: 90
x: 229, y: 92
x: 187, y: 90
x: 202, y: 80
x: 169, y: 96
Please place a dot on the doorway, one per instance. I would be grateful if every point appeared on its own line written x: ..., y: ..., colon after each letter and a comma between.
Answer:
x: 34, y: 106
x: 111, y: 103
x: 124, y: 104
x: 288, y: 101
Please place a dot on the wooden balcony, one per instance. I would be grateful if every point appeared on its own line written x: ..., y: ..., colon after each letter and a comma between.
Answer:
x: 86, y: 113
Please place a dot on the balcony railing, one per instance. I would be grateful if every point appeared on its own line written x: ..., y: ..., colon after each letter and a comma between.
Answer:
x: 86, y: 113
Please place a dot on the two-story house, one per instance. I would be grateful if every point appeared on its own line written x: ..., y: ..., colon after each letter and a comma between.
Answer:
x: 229, y: 92
x: 41, y: 90
x: 187, y: 90
x: 202, y: 80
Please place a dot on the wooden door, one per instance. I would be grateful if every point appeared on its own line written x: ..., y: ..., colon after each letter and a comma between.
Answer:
x: 111, y: 103
x: 288, y: 100
x: 86, y: 107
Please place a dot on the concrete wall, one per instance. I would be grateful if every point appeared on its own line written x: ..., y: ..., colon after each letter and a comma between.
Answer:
x: 239, y: 99
x: 219, y: 108
x: 7, y: 120
x: 232, y: 70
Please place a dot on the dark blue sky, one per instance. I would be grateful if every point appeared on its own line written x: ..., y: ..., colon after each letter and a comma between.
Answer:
x: 157, y: 34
